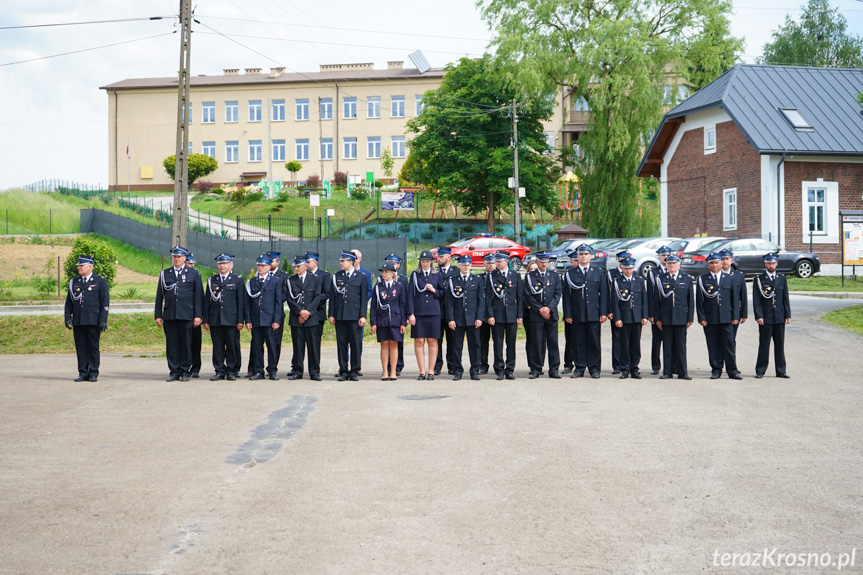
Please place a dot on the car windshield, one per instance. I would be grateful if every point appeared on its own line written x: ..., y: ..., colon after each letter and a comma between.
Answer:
x: 462, y: 243
x: 561, y: 246
x: 678, y: 245
x: 711, y: 246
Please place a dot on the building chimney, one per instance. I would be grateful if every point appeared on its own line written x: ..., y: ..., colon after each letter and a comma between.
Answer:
x: 395, y: 65
x: 253, y: 71
x: 276, y: 72
x: 231, y: 71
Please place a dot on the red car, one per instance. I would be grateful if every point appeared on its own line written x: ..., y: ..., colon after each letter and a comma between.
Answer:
x: 478, y: 247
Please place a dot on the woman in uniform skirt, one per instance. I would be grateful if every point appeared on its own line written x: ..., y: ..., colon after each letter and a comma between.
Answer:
x: 389, y: 318
x: 425, y: 289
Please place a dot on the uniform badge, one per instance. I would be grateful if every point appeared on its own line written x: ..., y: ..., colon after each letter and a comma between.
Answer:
x: 768, y: 288
x: 537, y: 287
x: 384, y: 295
x: 457, y: 289
x: 624, y: 293
x: 709, y: 289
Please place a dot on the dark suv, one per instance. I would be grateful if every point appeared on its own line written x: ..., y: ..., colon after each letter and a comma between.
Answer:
x: 747, y: 258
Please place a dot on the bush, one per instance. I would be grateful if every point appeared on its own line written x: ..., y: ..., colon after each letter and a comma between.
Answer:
x: 340, y: 179
x: 103, y: 255
x: 378, y: 184
x: 200, y: 165
x: 313, y: 181
x: 204, y: 186
x: 529, y: 226
x: 404, y: 228
x: 254, y: 197
x: 45, y: 285
x: 359, y: 193
x: 239, y: 195
x: 283, y: 197
x: 218, y: 191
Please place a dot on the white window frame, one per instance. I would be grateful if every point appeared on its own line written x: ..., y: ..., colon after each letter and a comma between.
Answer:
x: 373, y: 107
x: 183, y: 116
x: 350, y: 148
x: 550, y: 138
x: 373, y: 147
x: 398, y: 147
x: 830, y: 235
x: 302, y: 109
x: 349, y: 109
x: 190, y: 149
x: 277, y: 109
x: 255, y: 110
x: 729, y: 209
x: 232, y: 151
x: 709, y: 147
x: 256, y: 151
x: 301, y: 149
x: 397, y: 106
x: 278, y: 150
x: 326, y: 109
x: 209, y: 149
x: 208, y: 112
x: 326, y: 148
x: 419, y: 104
x: 232, y: 111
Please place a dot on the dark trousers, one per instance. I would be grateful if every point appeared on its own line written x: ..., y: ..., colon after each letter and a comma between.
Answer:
x: 655, y: 347
x: 278, y: 342
x: 446, y: 335
x: 303, y: 339
x: 348, y: 335
x: 178, y: 345
x: 508, y: 332
x: 630, y: 346
x: 616, y: 364
x: 720, y: 348
x: 544, y: 336
x: 674, y: 349
x: 260, y: 336
x: 586, y: 350
x: 767, y: 332
x: 458, y: 337
x: 196, y: 349
x: 226, y: 348
x: 484, y: 338
x: 359, y: 349
x: 400, y: 362
x: 568, y: 346
x: 87, y: 348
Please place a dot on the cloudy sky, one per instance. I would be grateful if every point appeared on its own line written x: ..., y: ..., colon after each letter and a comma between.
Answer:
x: 53, y: 117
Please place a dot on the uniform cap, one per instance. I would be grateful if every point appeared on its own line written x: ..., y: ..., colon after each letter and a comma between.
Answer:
x: 543, y: 257
x: 274, y: 255
x: 444, y: 251
x: 388, y: 265
x: 584, y: 248
x: 83, y: 260
x: 623, y: 255
x: 313, y: 256
x: 190, y: 259
x: 264, y: 259
x: 672, y: 259
x: 713, y: 257
x: 501, y: 256
x: 348, y: 256
x: 464, y: 260
x: 179, y: 251
x: 393, y: 258
x: 300, y: 260
x: 489, y: 258
x: 223, y: 257
x: 627, y: 263
x: 726, y: 254
x: 771, y: 257
x: 663, y: 250
x: 426, y: 255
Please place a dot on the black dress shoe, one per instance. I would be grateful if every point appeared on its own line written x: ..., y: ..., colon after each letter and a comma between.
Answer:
x: 231, y: 377
x: 714, y: 376
x: 533, y: 375
x: 274, y: 377
x: 595, y: 375
x: 623, y: 375
x: 635, y: 374
x: 663, y: 376
x: 353, y: 378
x: 315, y: 378
x: 483, y: 371
x: 398, y: 372
x: 437, y: 371
x: 735, y: 376
x: 217, y: 377
x: 430, y: 376
x: 195, y: 375
x: 500, y: 376
x: 615, y: 371
x: 456, y: 377
x: 173, y: 377
x: 553, y: 375
x: 421, y: 377
x: 474, y: 376
x: 510, y: 376
x: 566, y: 370
x: 343, y: 377
x: 759, y: 375
x: 290, y: 373
x: 685, y: 376
x: 577, y: 374
x: 82, y: 378
x: 256, y: 377
x: 94, y: 378
x: 184, y: 378
x: 655, y: 372
x: 783, y: 375
x: 294, y: 376
x: 249, y: 374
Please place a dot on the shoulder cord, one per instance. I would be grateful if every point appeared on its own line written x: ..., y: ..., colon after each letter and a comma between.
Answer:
x: 761, y: 289
x: 452, y: 290
x: 336, y: 286
x: 249, y: 289
x: 663, y: 294
x: 296, y: 298
x: 381, y: 305
x: 212, y: 293
x: 703, y: 291
x: 619, y: 296
x: 500, y: 294
x: 165, y: 286
x: 530, y: 287
x: 77, y: 298
x: 574, y: 285
x: 416, y: 282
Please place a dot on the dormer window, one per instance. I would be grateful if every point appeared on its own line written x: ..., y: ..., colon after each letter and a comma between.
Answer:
x: 796, y: 119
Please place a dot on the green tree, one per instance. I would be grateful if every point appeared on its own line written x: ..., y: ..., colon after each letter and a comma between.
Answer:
x: 387, y: 162
x: 200, y: 165
x: 463, y: 146
x: 616, y: 56
x: 293, y: 167
x: 820, y: 38
x: 104, y: 259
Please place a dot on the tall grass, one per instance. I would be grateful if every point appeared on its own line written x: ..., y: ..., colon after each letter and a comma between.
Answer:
x: 142, y: 261
x: 23, y: 212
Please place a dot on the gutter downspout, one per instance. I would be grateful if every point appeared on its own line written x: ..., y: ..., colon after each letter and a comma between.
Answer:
x: 779, y: 201
x: 116, y: 164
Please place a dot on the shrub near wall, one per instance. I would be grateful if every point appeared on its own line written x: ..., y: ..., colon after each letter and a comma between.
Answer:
x: 104, y: 258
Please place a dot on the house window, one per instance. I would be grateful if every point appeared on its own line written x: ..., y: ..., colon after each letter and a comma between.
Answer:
x: 278, y: 150
x: 682, y: 92
x: 326, y: 108
x: 581, y: 105
x: 729, y: 209
x: 349, y: 111
x: 303, y: 109
x: 796, y: 119
x: 373, y: 107
x: 815, y: 204
x: 232, y: 152
x: 208, y: 113
x: 374, y: 147
x: 419, y: 104
x: 232, y: 112
x: 350, y: 148
x: 667, y: 95
x: 278, y: 110
x: 398, y: 146
x: 255, y: 150
x: 327, y: 149
x: 254, y: 110
x: 549, y: 140
x: 710, y: 140
x: 820, y: 212
x: 209, y: 149
x: 303, y: 149
x: 397, y: 106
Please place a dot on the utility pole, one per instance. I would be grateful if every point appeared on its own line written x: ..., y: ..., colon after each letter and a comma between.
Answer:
x: 515, y: 175
x: 321, y: 139
x: 180, y: 226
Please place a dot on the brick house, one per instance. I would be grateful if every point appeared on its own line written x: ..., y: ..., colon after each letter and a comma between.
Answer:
x: 763, y: 151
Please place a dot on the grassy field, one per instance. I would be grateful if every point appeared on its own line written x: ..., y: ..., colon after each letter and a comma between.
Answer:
x: 826, y: 283
x: 23, y: 212
x: 849, y: 318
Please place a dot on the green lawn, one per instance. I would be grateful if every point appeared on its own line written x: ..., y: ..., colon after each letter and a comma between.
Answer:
x: 23, y: 212
x: 826, y: 283
x: 850, y: 318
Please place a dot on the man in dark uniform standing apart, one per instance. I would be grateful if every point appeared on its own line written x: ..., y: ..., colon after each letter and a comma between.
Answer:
x: 197, y: 335
x: 585, y: 304
x: 86, y: 314
x: 179, y: 309
x: 325, y: 280
x: 613, y: 274
x: 224, y: 312
x: 655, y: 333
x: 304, y: 296
x: 349, y: 303
x: 739, y: 288
x: 505, y: 311
x: 443, y: 261
x: 485, y: 330
x: 675, y: 309
x: 718, y: 312
x: 265, y: 314
x: 542, y: 293
x: 280, y: 275
x: 772, y: 307
x: 466, y: 309
x: 402, y: 279
x: 628, y: 295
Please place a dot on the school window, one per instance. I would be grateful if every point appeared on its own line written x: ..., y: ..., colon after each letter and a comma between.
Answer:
x: 278, y: 110
x: 303, y: 109
x: 419, y: 104
x: 327, y: 149
x: 190, y: 149
x: 254, y: 110
x: 398, y: 146
x: 710, y: 140
x: 326, y: 108
x: 815, y: 205
x: 208, y: 113
x: 209, y: 149
x: 349, y: 111
x: 374, y: 147
x: 183, y: 115
x: 729, y: 211
x: 232, y: 152
x: 278, y: 150
x: 255, y: 150
x: 397, y: 106
x: 232, y: 112
x: 350, y: 148
x: 374, y: 106
x: 303, y: 149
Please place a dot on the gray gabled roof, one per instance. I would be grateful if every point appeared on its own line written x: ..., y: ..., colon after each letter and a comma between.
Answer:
x: 753, y: 96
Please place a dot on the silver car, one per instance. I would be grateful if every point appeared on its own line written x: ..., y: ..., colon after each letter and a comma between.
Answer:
x: 644, y: 253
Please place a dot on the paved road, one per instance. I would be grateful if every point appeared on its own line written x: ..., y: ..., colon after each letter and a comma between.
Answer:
x: 135, y: 475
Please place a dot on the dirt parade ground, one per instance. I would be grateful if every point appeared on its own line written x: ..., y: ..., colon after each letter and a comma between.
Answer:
x: 133, y: 475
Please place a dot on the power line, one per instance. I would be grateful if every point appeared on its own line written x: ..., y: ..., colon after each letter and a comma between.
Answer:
x: 85, y: 22
x: 85, y: 49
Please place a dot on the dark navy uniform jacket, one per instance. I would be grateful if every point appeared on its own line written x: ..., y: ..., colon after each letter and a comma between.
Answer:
x: 503, y: 301
x: 612, y: 275
x: 305, y: 295
x: 450, y: 272
x: 770, y: 300
x: 651, y: 289
x: 268, y: 308
x: 389, y: 306
x: 635, y: 291
x: 349, y: 299
x: 465, y: 301
x: 549, y: 291
x: 225, y: 301
x: 90, y: 303
x: 424, y: 302
x: 325, y: 280
x: 585, y: 297
x: 740, y: 288
x: 679, y: 307
x: 184, y: 298
x: 716, y: 304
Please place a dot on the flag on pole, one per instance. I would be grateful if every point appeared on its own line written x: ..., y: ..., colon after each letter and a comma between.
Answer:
x: 128, y: 152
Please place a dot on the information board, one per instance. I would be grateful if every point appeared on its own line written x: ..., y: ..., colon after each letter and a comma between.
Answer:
x: 852, y: 240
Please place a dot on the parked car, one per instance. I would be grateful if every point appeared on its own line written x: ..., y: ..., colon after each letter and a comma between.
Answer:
x: 561, y: 252
x: 644, y: 253
x: 478, y: 247
x: 600, y: 253
x: 747, y: 258
x: 691, y: 244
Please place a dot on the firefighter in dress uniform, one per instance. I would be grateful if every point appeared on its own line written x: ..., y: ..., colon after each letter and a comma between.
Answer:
x: 772, y: 307
x: 224, y: 312
x: 542, y: 293
x: 349, y: 302
x: 655, y: 333
x: 424, y: 295
x: 613, y: 274
x: 179, y: 309
x: 325, y: 280
x: 675, y: 309
x: 718, y: 313
x: 629, y: 304
x: 265, y: 314
x: 466, y: 309
x: 505, y: 311
x: 86, y: 314
x: 485, y: 331
x: 303, y: 292
x: 585, y: 305
x: 389, y: 318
